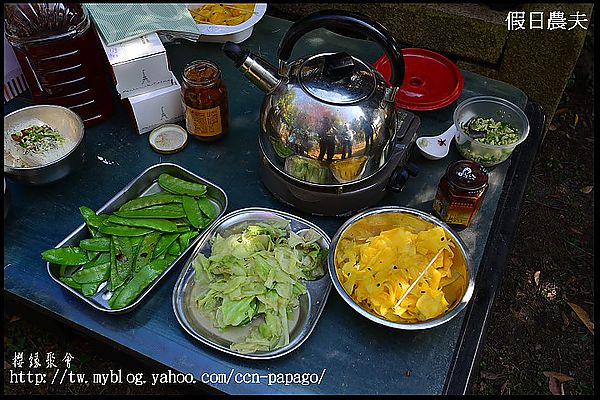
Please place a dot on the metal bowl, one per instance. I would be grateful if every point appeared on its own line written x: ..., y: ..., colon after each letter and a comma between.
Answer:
x: 67, y: 123
x: 458, y: 307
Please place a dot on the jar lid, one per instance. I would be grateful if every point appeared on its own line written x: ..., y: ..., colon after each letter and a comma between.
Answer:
x: 467, y: 175
x: 168, y: 139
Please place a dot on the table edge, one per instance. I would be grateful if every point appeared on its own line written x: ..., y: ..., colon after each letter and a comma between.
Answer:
x: 467, y: 354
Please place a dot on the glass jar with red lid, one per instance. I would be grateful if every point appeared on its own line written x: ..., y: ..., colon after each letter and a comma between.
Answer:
x: 461, y: 192
x: 204, y: 99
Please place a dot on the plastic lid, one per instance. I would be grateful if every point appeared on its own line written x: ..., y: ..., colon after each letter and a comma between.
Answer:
x: 168, y: 139
x: 431, y: 81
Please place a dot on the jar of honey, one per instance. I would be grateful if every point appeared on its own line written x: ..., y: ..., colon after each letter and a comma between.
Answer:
x: 460, y: 193
x: 204, y: 98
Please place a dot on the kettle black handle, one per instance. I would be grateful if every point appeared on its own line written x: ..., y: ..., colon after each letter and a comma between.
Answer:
x: 348, y: 20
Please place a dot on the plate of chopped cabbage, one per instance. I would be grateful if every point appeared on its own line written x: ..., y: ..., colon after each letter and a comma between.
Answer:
x: 255, y: 285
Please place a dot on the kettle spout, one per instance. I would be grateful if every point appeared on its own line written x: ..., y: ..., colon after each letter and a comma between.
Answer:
x: 256, y: 69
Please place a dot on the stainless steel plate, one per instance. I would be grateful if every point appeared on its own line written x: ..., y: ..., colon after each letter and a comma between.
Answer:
x: 199, y: 326
x: 144, y: 184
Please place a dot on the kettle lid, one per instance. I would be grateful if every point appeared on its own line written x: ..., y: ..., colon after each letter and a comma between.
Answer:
x: 337, y: 78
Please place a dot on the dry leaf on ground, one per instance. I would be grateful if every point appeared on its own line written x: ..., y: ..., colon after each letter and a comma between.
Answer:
x: 587, y: 189
x: 559, y: 376
x: 489, y: 375
x: 583, y: 316
x: 536, y: 278
x: 576, y: 231
x: 555, y: 386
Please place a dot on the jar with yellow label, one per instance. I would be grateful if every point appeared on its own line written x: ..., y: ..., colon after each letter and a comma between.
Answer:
x: 204, y: 99
x: 460, y: 193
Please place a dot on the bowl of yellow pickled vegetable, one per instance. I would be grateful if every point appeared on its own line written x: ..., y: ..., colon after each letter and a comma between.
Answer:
x: 401, y: 268
x: 222, y: 22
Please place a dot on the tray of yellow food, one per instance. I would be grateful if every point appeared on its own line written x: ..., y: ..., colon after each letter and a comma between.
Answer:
x: 221, y: 22
x: 401, y: 268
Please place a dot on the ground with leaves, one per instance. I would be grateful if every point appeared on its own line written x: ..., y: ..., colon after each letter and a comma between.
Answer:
x: 540, y: 339
x: 537, y: 342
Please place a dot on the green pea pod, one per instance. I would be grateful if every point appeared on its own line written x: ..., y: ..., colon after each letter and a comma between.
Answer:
x: 162, y: 211
x: 183, y: 229
x: 185, y: 238
x: 206, y: 221
x: 96, y: 233
x: 181, y: 222
x: 70, y: 282
x: 136, y: 240
x: 90, y: 289
x: 138, y: 283
x: 145, y: 251
x: 192, y: 211
x: 163, y: 244
x: 170, y: 258
x: 101, y: 258
x: 124, y: 230
x: 121, y: 259
x: 96, y: 244
x: 180, y: 186
x: 114, y: 295
x: 162, y: 225
x: 207, y: 208
x: 174, y: 249
x: 90, y: 217
x: 96, y: 260
x: 66, y: 256
x: 97, y: 273
x: 150, y: 200
x: 73, y: 268
x: 91, y: 254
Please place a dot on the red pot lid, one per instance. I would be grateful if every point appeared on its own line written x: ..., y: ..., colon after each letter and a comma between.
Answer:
x: 431, y: 81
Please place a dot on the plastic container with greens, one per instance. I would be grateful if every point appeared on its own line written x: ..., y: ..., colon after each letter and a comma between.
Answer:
x: 498, y: 113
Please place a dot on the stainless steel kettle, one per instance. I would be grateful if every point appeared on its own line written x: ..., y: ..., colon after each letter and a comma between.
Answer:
x: 329, y: 117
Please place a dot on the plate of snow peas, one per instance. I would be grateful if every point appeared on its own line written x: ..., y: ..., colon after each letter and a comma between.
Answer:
x: 124, y: 249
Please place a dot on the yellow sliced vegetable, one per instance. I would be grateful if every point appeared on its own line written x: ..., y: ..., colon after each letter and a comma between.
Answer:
x: 378, y: 260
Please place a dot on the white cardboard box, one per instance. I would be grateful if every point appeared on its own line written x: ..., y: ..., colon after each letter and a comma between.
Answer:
x: 162, y: 106
x: 139, y: 65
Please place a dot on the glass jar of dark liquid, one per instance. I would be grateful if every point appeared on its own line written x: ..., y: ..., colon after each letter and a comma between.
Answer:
x: 61, y: 57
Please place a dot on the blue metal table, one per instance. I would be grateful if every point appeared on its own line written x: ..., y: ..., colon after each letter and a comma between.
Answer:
x: 357, y: 355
